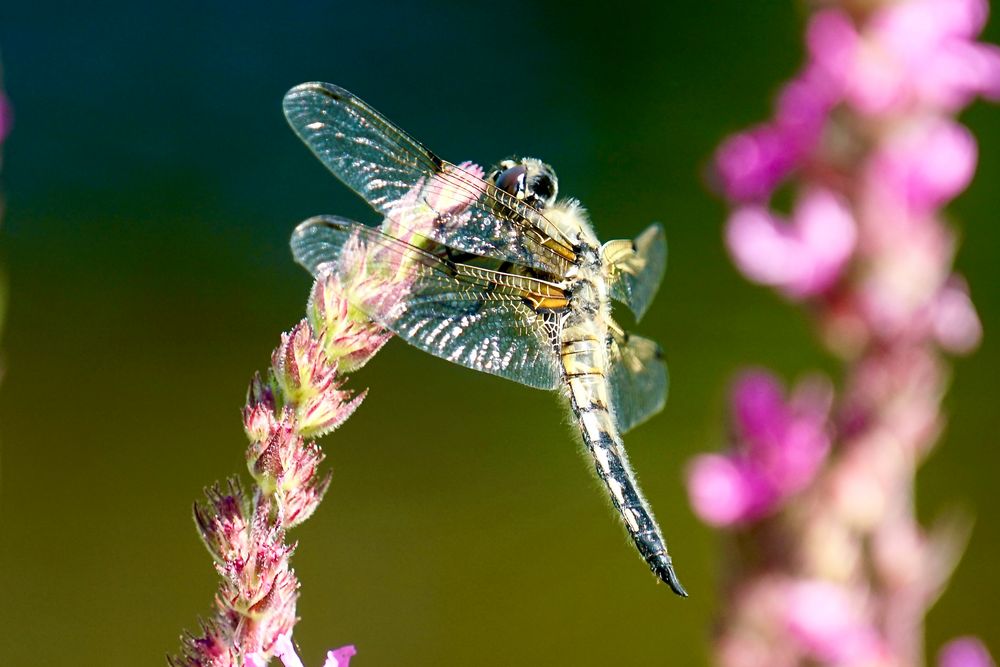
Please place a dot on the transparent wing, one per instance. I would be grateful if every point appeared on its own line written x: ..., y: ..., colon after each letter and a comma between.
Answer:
x: 487, y: 320
x: 417, y: 190
x: 638, y: 380
x: 636, y: 268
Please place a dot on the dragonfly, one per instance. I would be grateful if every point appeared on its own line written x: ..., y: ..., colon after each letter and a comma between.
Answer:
x: 494, y: 272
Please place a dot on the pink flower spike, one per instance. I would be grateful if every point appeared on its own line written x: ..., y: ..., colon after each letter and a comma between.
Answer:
x: 340, y: 657
x: 965, y: 652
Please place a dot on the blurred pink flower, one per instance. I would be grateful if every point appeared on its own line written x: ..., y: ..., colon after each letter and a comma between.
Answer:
x: 921, y: 166
x: 830, y: 622
x: 801, y: 257
x: 780, y: 445
x: 6, y: 116
x: 920, y: 52
x: 340, y: 657
x: 965, y: 652
x: 866, y: 137
x: 752, y: 163
x: 724, y: 492
x: 954, y: 321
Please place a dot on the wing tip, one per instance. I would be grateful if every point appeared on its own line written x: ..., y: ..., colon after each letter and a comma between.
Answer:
x: 329, y: 90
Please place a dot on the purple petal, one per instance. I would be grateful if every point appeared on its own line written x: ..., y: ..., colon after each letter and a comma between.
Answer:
x: 832, y: 41
x: 718, y: 490
x: 925, y: 165
x: 828, y: 622
x: 285, y: 650
x: 965, y: 652
x: 340, y: 657
x: 828, y: 236
x: 759, y: 408
x: 762, y: 246
x: 6, y: 117
x: 751, y: 164
x: 802, y: 451
x: 804, y: 105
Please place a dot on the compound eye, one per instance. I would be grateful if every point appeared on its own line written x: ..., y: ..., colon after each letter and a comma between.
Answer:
x: 512, y: 180
x: 543, y: 188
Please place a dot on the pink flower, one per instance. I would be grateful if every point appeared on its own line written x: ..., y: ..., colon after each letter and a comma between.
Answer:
x: 921, y: 166
x: 349, y: 337
x: 340, y: 657
x: 919, y: 52
x: 954, y: 321
x: 311, y: 384
x: 6, y: 117
x: 780, y: 445
x: 724, y: 492
x: 801, y: 257
x: 751, y: 164
x: 831, y: 624
x: 965, y: 652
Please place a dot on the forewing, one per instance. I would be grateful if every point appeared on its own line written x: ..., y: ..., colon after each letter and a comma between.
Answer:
x: 635, y: 268
x: 475, y: 317
x: 638, y: 380
x: 415, y: 189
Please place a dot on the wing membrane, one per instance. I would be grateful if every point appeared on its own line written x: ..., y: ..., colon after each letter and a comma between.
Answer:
x: 417, y: 190
x: 487, y: 320
x: 638, y: 380
x: 636, y: 268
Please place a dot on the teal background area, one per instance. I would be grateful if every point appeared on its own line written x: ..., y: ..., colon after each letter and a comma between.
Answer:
x: 151, y: 186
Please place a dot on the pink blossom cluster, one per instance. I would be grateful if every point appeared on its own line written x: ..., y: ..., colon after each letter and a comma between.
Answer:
x: 302, y: 397
x: 830, y: 565
x: 778, y: 448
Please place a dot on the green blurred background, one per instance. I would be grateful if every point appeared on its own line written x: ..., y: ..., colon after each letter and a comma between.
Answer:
x: 151, y: 186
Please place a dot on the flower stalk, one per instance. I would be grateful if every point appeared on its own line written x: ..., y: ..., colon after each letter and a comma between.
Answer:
x: 245, y: 530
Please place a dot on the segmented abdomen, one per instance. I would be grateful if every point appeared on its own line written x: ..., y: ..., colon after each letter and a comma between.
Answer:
x: 584, y: 360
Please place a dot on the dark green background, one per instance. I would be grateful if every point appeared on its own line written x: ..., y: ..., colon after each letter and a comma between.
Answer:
x: 151, y: 186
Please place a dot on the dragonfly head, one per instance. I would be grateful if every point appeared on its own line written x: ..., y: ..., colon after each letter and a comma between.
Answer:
x: 528, y: 179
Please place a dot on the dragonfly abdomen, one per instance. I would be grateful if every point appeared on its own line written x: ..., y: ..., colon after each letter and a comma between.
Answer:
x: 584, y: 360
